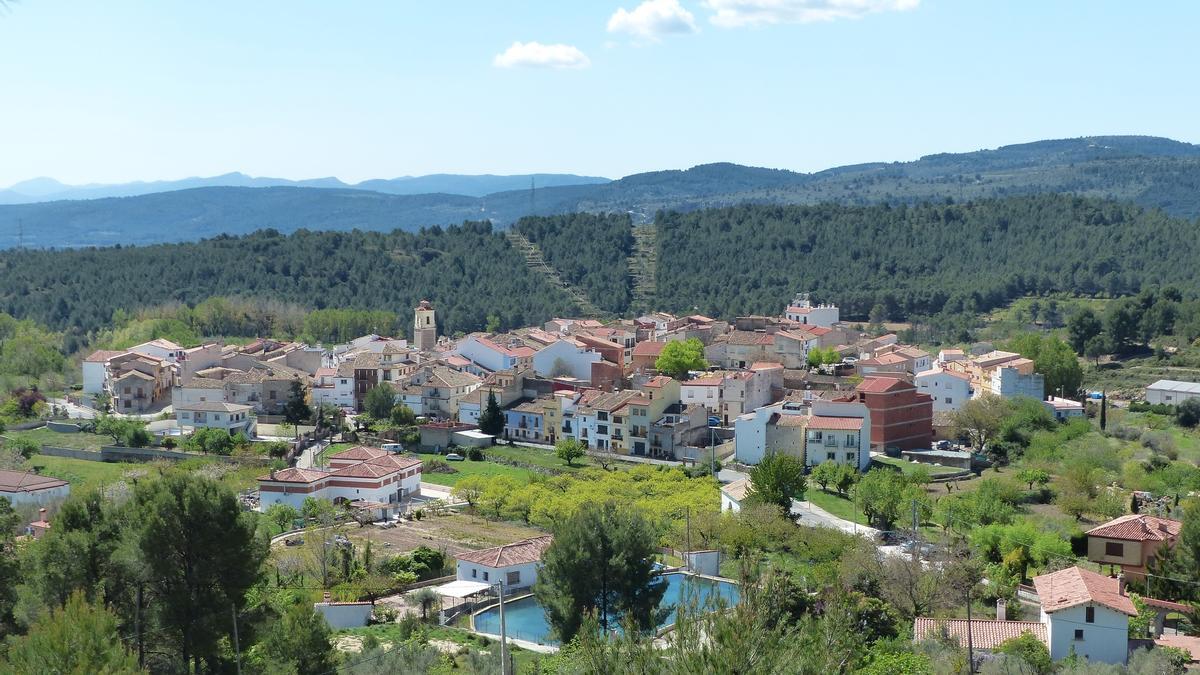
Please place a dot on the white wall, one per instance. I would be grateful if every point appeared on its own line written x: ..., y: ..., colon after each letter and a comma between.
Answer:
x: 750, y: 434
x: 578, y: 361
x: 949, y: 392
x: 485, y: 356
x: 1106, y: 640
x: 528, y: 573
x: 344, y: 615
x: 292, y: 499
x: 729, y: 504
x: 39, y: 497
x: 705, y: 395
x: 93, y: 377
x: 1152, y: 395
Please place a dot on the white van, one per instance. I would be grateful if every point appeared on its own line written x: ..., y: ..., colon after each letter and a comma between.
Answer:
x: 393, y: 447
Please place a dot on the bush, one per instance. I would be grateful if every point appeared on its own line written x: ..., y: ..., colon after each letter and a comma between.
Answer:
x: 1160, y: 441
x: 136, y: 437
x: 24, y: 447
x: 1126, y: 433
x: 169, y: 442
x: 475, y: 455
x: 437, y: 466
x: 1188, y: 413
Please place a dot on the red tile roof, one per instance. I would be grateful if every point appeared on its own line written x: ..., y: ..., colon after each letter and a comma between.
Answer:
x: 648, y: 348
x: 765, y: 365
x: 836, y: 423
x: 882, y: 384
x: 985, y: 633
x: 27, y: 481
x: 294, y: 475
x: 102, y: 355
x: 516, y: 553
x: 1076, y: 586
x: 1138, y: 527
x: 359, y: 453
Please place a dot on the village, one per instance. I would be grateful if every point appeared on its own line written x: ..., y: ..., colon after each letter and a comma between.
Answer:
x: 717, y: 398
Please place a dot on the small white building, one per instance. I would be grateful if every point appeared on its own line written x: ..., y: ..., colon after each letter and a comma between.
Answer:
x: 948, y: 389
x: 802, y: 310
x: 334, y: 386
x: 705, y: 391
x: 515, y: 565
x: 344, y: 614
x: 1172, y: 392
x: 230, y: 417
x: 733, y: 494
x: 1063, y: 409
x: 1087, y: 613
x: 27, y: 487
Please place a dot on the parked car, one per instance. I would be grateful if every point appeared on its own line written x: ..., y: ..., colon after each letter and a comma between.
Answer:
x: 454, y: 457
x: 392, y: 447
x: 943, y: 445
x: 293, y: 541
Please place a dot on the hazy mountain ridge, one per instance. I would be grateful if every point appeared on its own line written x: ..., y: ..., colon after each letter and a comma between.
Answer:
x: 1148, y: 171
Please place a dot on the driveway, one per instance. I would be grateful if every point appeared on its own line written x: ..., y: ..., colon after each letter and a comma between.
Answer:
x: 807, y: 513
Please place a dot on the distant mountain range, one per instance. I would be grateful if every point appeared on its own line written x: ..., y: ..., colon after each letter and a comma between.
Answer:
x: 1148, y: 171
x: 48, y: 189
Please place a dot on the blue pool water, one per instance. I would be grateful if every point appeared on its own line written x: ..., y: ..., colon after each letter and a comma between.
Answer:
x: 525, y: 620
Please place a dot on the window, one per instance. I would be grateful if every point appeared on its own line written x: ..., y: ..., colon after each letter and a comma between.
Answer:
x: 485, y: 576
x: 474, y: 572
x: 602, y: 416
x: 851, y: 441
x: 1078, y: 633
x: 513, y: 578
x: 602, y: 428
x: 829, y: 455
x: 849, y: 456
x: 949, y: 401
x: 1114, y: 548
x: 1089, y: 615
x: 272, y: 395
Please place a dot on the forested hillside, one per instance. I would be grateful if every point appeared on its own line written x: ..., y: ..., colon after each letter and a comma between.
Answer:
x: 921, y: 259
x: 466, y: 271
x: 589, y: 251
x: 1151, y: 172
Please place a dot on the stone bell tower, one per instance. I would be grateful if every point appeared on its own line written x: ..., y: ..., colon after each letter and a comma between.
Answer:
x: 424, y: 326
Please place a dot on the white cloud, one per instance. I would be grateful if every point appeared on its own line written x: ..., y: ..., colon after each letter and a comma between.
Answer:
x: 538, y: 55
x: 653, y: 18
x: 734, y: 13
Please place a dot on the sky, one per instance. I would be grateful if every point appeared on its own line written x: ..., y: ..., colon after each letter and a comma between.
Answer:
x: 122, y: 90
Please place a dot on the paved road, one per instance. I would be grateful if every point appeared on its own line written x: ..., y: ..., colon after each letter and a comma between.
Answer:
x: 807, y: 513
x: 308, y: 458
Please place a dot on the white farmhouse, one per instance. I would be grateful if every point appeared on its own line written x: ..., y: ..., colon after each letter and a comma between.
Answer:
x: 566, y: 357
x: 230, y: 417
x: 373, y: 476
x: 1085, y: 612
x: 514, y: 565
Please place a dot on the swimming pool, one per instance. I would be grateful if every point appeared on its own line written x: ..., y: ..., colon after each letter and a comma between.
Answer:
x: 525, y: 620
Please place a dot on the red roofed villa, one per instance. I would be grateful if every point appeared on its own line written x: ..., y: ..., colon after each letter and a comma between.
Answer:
x: 365, y: 474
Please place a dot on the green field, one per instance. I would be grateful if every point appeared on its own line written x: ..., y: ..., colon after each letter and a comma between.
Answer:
x: 44, y: 436
x: 524, y: 660
x: 469, y: 468
x: 835, y: 504
x: 82, y: 473
x: 537, y: 457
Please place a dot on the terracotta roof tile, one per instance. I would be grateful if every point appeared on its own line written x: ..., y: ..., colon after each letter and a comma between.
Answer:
x: 835, y: 423
x: 27, y: 481
x: 516, y: 553
x: 1138, y: 527
x: 985, y: 633
x: 1076, y: 586
x: 882, y: 384
x: 295, y: 475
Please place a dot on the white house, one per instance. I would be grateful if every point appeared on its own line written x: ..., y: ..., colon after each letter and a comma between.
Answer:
x: 230, y: 417
x: 813, y: 433
x: 733, y: 494
x: 334, y: 386
x: 361, y: 473
x: 515, y: 565
x: 1062, y: 408
x: 1009, y: 381
x: 705, y: 391
x: 948, y: 389
x: 492, y: 356
x: 344, y: 614
x: 566, y: 357
x: 1172, y: 392
x: 26, y: 487
x: 802, y: 310
x: 1086, y: 612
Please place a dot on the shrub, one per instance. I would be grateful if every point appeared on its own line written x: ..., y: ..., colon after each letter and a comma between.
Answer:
x: 1188, y: 413
x: 169, y: 442
x: 475, y: 455
x: 1160, y: 441
x: 1126, y: 433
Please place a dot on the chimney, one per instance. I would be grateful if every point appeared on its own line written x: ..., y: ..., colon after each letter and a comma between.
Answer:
x: 272, y: 474
x: 1120, y: 583
x: 1001, y: 609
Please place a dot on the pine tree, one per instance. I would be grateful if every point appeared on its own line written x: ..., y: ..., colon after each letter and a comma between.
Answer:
x: 1104, y: 411
x: 491, y: 420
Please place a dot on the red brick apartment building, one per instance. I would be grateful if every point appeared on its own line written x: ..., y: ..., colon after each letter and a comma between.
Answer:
x: 900, y: 416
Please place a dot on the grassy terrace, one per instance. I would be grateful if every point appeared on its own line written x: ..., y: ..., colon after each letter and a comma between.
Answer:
x: 44, y: 436
x: 839, y: 506
x: 909, y: 468
x: 81, y: 473
x: 469, y: 468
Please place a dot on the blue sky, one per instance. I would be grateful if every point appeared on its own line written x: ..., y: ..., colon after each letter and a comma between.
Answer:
x: 125, y: 90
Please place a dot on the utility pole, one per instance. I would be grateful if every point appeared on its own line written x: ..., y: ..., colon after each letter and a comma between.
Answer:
x: 916, y: 547
x: 504, y: 670
x: 970, y: 642
x: 137, y: 622
x: 687, y: 555
x: 237, y: 650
